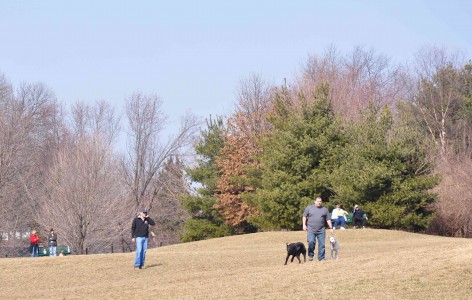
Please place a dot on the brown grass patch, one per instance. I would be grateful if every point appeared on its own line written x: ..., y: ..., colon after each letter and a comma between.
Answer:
x: 373, y: 264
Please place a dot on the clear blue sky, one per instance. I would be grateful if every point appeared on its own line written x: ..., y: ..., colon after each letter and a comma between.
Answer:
x: 193, y: 53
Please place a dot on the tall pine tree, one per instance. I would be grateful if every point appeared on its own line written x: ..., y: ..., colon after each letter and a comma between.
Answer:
x: 292, y: 169
x: 205, y: 221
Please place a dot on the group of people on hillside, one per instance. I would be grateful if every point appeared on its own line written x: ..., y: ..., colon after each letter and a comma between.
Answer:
x: 314, y: 220
x: 35, y: 239
x: 139, y: 234
x: 315, y: 217
x: 339, y: 217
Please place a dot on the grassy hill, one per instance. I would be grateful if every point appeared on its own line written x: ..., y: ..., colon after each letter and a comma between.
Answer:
x: 373, y: 264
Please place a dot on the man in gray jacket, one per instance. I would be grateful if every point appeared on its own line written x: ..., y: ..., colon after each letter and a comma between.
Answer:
x: 314, y: 221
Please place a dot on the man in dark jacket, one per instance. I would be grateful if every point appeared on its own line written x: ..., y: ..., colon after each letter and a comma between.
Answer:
x: 358, y: 216
x: 140, y: 234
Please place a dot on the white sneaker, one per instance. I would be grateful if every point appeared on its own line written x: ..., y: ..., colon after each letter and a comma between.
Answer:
x: 342, y: 228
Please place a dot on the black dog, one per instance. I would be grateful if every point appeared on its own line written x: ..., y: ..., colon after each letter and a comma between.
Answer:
x: 295, y: 249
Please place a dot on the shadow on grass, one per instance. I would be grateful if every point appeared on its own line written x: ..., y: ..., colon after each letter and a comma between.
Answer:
x: 153, y: 265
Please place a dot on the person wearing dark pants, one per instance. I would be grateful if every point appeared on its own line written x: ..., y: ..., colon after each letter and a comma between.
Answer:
x: 52, y: 240
x: 314, y: 221
x: 140, y: 235
x: 358, y: 216
x: 34, y: 243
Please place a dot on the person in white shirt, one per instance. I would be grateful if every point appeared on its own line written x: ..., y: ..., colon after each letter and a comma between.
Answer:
x: 338, y: 216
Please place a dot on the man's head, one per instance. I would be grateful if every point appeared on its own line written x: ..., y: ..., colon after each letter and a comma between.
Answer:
x: 356, y: 207
x: 143, y: 211
x: 52, y: 230
x: 338, y: 206
x: 318, y: 201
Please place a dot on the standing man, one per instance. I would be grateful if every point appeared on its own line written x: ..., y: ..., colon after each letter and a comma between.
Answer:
x: 52, y: 240
x: 358, y: 216
x: 314, y: 221
x: 140, y: 234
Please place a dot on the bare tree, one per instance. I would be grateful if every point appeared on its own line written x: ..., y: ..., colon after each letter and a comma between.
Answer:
x: 438, y: 94
x: 454, y: 206
x: 6, y: 90
x: 355, y: 80
x: 84, y: 197
x: 29, y: 121
x: 98, y: 119
x: 254, y: 104
x: 171, y: 215
x: 147, y: 151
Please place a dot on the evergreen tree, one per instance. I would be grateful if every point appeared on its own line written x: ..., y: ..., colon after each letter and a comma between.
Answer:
x: 205, y: 221
x: 383, y: 169
x: 292, y: 160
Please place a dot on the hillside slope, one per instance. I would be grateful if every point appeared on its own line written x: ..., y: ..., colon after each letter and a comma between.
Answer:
x: 373, y: 264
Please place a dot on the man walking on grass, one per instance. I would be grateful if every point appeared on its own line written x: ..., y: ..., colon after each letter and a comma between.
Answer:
x: 314, y: 221
x: 140, y: 234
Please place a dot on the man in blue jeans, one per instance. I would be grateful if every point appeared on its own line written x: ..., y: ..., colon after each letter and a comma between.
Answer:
x: 314, y: 221
x: 140, y: 234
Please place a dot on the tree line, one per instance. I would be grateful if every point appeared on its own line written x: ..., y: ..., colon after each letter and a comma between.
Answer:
x: 352, y: 128
x: 59, y: 169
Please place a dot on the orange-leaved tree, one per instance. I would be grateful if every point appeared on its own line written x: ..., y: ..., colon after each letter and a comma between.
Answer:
x: 242, y: 134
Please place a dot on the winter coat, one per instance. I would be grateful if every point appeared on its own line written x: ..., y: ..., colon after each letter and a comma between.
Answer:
x: 34, y: 239
x: 52, y: 239
x: 140, y: 227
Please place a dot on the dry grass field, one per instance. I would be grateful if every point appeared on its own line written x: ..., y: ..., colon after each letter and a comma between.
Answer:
x: 373, y: 264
